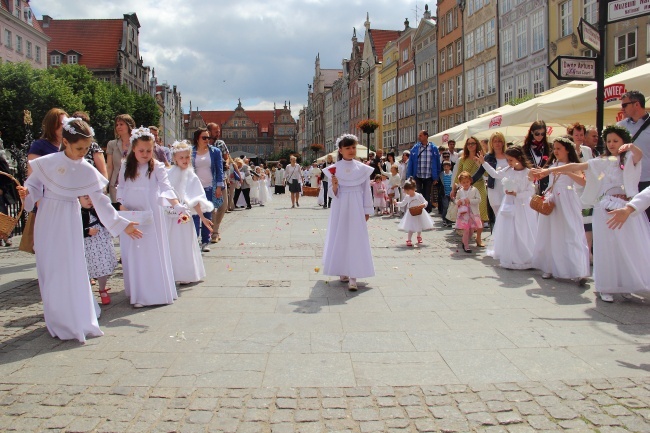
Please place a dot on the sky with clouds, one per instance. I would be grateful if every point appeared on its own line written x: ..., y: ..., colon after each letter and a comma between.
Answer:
x: 217, y: 51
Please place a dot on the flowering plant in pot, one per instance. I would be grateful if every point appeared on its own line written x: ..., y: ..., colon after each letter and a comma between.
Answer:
x: 368, y: 126
x: 317, y: 147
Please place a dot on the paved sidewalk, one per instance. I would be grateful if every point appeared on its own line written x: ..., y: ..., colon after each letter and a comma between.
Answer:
x: 439, y: 340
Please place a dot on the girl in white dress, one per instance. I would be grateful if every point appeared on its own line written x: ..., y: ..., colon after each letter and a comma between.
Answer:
x: 347, y: 251
x: 468, y: 199
x: 620, y: 256
x: 561, y: 249
x: 255, y: 187
x: 187, y: 263
x: 55, y: 183
x: 143, y: 190
x: 513, y: 238
x: 413, y: 223
x: 101, y: 259
x: 263, y: 190
x: 379, y: 194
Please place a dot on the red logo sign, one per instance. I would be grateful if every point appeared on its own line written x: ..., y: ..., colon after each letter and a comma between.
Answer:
x: 445, y: 138
x: 620, y: 116
x: 549, y: 131
x: 495, y: 122
x: 613, y: 92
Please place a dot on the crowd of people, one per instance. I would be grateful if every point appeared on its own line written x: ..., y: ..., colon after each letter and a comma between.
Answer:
x: 167, y: 204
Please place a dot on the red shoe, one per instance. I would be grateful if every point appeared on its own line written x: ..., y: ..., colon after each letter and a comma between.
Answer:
x: 103, y: 294
x: 419, y: 239
x: 409, y: 243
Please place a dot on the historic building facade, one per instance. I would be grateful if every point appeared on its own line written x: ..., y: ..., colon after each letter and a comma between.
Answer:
x: 405, y: 96
x: 451, y: 106
x: 426, y: 76
x: 21, y: 37
x: 168, y: 99
x: 323, y: 82
x: 388, y: 79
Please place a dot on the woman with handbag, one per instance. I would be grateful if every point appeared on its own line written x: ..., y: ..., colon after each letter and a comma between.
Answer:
x: 293, y: 176
x: 561, y: 247
x: 513, y: 238
x: 208, y: 166
x: 243, y: 186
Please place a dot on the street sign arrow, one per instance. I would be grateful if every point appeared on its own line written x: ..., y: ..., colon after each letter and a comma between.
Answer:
x: 589, y: 35
x: 574, y: 68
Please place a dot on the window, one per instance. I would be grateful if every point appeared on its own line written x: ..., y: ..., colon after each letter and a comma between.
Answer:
x: 55, y: 59
x: 29, y: 50
x: 427, y: 70
x: 479, y: 36
x: 405, y: 55
x: 469, y: 85
x: 8, y: 40
x: 522, y: 38
x: 19, y: 44
x: 459, y: 52
x: 434, y: 99
x: 443, y: 124
x: 506, y: 5
x: 566, y: 18
x: 459, y: 90
x: 450, y: 56
x: 490, y: 40
x: 442, y: 61
x: 522, y: 85
x: 506, y: 46
x: 459, y: 118
x: 73, y: 59
x: 507, y: 89
x: 450, y: 85
x: 450, y: 22
x: 469, y: 45
x: 470, y: 8
x: 491, y: 77
x: 427, y: 103
x: 626, y: 47
x: 539, y: 75
x: 480, y: 81
x: 443, y: 96
x: 537, y: 24
x: 590, y: 11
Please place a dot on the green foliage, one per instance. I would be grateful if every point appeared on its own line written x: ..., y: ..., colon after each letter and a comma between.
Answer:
x: 72, y: 88
x: 284, y: 155
x: 517, y: 101
x: 617, y: 70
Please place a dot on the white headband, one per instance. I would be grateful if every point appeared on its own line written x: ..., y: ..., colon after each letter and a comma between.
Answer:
x: 141, y: 132
x: 71, y: 129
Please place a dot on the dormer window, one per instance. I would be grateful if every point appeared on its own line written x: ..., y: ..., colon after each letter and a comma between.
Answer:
x: 55, y: 59
x: 73, y: 59
x: 17, y: 4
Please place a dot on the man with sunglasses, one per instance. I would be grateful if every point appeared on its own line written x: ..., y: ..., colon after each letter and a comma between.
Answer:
x: 424, y: 166
x: 637, y: 123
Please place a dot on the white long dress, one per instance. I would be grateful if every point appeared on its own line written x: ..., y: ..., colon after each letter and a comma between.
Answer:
x: 187, y: 263
x: 347, y: 244
x: 495, y: 195
x: 255, y: 192
x: 621, y: 255
x: 69, y: 307
x: 513, y: 237
x: 561, y: 247
x: 414, y: 223
x: 148, y: 276
x: 263, y: 195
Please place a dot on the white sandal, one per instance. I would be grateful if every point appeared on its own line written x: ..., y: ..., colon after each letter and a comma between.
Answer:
x: 352, y: 285
x: 344, y: 279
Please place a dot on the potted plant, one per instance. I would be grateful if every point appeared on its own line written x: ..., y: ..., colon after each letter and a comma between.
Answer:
x: 368, y: 126
x: 317, y: 147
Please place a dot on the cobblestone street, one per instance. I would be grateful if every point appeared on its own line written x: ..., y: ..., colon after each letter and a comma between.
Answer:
x: 438, y: 341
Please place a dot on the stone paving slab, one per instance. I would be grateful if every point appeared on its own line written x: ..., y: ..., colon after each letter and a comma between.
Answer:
x: 438, y: 341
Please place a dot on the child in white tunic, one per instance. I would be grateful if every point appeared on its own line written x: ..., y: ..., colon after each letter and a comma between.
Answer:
x: 413, y: 223
x: 621, y: 256
x: 263, y: 194
x: 56, y: 182
x: 561, y: 249
x: 347, y: 245
x: 187, y: 263
x: 513, y: 237
x: 143, y: 189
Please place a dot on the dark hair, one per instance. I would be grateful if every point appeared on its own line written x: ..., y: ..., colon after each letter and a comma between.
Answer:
x: 83, y: 132
x: 409, y: 184
x: 197, y: 134
x: 425, y: 132
x: 575, y: 126
x: 377, y: 177
x: 466, y: 151
x: 623, y: 134
x: 528, y: 141
x: 128, y: 120
x: 346, y: 141
x: 52, y: 122
x: 82, y: 115
x: 391, y: 154
x: 634, y: 96
x: 131, y: 170
x: 569, y: 146
x: 517, y: 152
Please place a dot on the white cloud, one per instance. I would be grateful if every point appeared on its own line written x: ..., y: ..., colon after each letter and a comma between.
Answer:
x: 217, y: 51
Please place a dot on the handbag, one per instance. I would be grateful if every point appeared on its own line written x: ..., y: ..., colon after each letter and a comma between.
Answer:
x: 452, y: 211
x: 27, y: 239
x: 540, y: 203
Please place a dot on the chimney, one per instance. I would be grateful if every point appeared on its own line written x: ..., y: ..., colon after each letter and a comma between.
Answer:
x: 46, y: 20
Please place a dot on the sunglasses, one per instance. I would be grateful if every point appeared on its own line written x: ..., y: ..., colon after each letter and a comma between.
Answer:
x: 539, y: 133
x: 625, y: 104
x: 444, y: 155
x: 205, y: 138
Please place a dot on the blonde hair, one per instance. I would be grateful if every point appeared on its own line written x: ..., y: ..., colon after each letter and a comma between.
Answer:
x: 464, y: 175
x: 239, y: 162
x: 495, y: 136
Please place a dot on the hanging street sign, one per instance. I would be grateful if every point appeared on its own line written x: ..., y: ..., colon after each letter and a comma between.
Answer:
x: 619, y: 10
x: 574, y: 68
x: 589, y: 36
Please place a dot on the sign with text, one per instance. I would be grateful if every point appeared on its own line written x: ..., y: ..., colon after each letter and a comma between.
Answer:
x: 589, y: 36
x: 619, y: 10
x: 574, y: 68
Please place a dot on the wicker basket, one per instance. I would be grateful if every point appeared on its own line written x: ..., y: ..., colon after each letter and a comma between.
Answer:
x: 309, y: 191
x: 538, y: 203
x: 416, y: 210
x: 7, y: 222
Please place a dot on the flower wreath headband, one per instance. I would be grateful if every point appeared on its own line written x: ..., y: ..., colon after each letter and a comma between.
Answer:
x: 181, y: 146
x: 140, y: 132
x: 348, y: 136
x: 72, y: 130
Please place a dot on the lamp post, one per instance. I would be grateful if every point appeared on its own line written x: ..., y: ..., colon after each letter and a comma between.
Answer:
x: 360, y: 82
